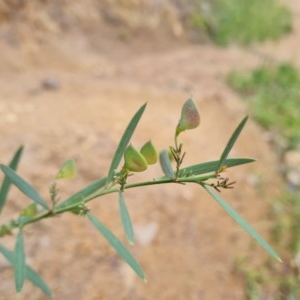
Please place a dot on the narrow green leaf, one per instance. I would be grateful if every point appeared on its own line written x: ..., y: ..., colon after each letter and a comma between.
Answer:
x: 231, y: 142
x: 117, y: 245
x: 67, y: 171
x: 9, y: 255
x: 212, y: 166
x: 242, y: 222
x: 19, y: 262
x: 24, y: 186
x: 31, y: 275
x: 36, y: 279
x: 166, y: 164
x: 22, y: 220
x: 72, y: 203
x: 78, y: 197
x: 126, y: 221
x: 124, y: 142
x: 6, y: 181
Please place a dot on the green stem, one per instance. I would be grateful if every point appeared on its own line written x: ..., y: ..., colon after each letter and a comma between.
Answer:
x: 163, y: 180
x: 12, y: 224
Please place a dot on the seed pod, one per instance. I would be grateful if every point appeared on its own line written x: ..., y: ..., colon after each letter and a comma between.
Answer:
x: 134, y: 160
x: 190, y: 117
x: 149, y: 152
x: 30, y: 211
x: 67, y: 171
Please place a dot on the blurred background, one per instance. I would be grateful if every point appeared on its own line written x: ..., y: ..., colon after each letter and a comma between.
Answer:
x: 72, y: 74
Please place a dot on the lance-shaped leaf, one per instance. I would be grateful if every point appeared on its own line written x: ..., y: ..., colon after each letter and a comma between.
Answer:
x: 212, y: 166
x: 126, y: 221
x: 231, y: 143
x: 31, y: 275
x: 124, y: 142
x: 67, y: 171
x: 6, y: 181
x: 242, y: 222
x: 166, y: 164
x: 24, y: 186
x: 36, y: 279
x: 80, y: 196
x: 19, y: 262
x: 72, y: 204
x: 118, y: 246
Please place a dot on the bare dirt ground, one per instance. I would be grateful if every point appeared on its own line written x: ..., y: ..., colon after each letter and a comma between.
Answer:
x: 186, y: 244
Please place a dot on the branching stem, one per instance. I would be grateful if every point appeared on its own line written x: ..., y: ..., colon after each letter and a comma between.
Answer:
x: 59, y: 210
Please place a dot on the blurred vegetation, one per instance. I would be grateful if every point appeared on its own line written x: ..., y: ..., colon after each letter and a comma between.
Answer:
x: 286, y: 211
x: 242, y: 21
x: 272, y: 280
x: 225, y: 21
x: 273, y: 92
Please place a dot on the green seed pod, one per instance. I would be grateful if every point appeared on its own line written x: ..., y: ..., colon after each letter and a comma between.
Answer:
x: 190, y: 117
x: 67, y: 171
x: 134, y: 160
x: 149, y: 152
x: 30, y: 211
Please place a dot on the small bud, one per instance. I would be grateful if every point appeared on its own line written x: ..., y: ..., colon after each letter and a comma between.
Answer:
x: 190, y: 117
x: 134, y: 160
x: 149, y: 152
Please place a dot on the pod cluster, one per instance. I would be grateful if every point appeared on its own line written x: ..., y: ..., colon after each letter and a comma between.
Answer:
x: 138, y: 161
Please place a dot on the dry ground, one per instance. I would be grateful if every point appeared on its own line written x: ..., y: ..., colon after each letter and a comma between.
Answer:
x: 192, y: 244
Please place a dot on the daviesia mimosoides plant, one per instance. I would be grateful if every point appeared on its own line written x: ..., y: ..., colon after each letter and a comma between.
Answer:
x: 207, y: 175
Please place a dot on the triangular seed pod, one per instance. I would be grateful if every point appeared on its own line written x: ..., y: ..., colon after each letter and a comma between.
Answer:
x: 149, y: 152
x: 134, y: 160
x: 190, y: 117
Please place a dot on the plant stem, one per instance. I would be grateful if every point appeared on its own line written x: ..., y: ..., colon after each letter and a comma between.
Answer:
x: 51, y: 213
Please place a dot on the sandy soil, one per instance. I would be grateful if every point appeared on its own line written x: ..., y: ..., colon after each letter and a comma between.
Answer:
x: 192, y: 244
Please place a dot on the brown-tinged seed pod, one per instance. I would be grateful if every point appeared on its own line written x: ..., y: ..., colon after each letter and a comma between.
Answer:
x: 134, y: 160
x: 190, y: 117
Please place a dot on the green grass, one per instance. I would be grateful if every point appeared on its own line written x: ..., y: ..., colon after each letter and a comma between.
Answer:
x: 286, y: 212
x: 274, y: 95
x: 273, y: 280
x: 242, y: 21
